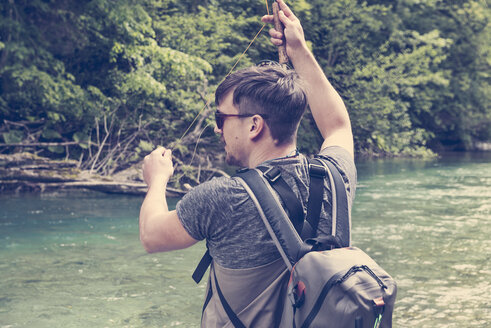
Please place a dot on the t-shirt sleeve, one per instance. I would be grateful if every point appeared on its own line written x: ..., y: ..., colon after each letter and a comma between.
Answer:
x: 197, y: 210
x: 343, y: 160
x: 221, y: 211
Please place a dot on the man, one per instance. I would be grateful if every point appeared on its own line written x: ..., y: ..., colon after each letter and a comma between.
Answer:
x: 259, y: 110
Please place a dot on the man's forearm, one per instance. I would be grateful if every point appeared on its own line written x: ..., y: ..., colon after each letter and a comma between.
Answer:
x: 154, y: 206
x: 160, y: 229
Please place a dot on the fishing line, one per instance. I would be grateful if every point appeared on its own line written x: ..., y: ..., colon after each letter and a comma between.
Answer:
x: 230, y: 72
x: 177, y: 178
x: 197, y: 142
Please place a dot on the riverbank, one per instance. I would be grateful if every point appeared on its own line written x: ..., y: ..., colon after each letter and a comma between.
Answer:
x: 27, y: 172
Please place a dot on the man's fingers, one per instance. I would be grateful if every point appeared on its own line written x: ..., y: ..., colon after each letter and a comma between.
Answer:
x: 267, y: 19
x: 275, y: 34
x: 285, y: 8
x: 167, y: 153
x: 159, y: 151
x: 276, y: 37
x: 285, y: 19
x: 276, y: 42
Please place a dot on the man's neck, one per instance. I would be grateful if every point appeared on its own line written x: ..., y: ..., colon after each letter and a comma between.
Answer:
x: 266, y: 153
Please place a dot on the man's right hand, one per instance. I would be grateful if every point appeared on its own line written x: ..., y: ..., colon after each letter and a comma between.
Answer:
x: 293, y: 32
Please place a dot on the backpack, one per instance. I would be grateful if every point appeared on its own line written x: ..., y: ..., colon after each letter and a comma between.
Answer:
x: 331, y: 284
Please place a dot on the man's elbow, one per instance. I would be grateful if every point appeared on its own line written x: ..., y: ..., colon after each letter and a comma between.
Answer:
x: 148, y: 244
x: 163, y: 233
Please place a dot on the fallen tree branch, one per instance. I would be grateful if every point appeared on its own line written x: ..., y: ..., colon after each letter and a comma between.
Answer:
x: 110, y: 187
x: 40, y: 144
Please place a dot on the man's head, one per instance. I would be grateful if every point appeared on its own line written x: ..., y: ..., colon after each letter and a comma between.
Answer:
x: 273, y: 92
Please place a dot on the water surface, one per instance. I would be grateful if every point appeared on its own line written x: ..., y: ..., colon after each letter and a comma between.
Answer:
x: 429, y: 225
x: 74, y: 259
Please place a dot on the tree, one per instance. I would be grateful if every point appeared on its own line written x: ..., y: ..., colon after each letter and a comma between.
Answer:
x: 459, y: 114
x: 108, y: 80
x: 93, y: 73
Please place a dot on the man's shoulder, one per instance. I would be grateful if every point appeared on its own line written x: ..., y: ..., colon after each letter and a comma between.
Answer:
x: 344, y: 162
x: 218, y: 182
x: 218, y: 185
x: 339, y: 157
x: 336, y: 152
x: 207, y: 210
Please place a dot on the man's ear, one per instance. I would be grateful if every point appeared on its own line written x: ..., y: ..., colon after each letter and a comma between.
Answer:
x: 257, y: 126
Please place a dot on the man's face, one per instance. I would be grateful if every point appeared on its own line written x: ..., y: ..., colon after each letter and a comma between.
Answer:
x: 232, y: 132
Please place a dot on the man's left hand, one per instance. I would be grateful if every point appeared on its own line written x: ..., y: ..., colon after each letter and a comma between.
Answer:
x: 157, y: 166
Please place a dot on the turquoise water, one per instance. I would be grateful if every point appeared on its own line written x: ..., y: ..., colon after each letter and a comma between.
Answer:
x: 74, y: 259
x: 429, y: 225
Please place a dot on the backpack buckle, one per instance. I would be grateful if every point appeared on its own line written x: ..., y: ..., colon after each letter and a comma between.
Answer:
x: 298, y: 294
x: 317, y: 171
x: 272, y: 174
x: 378, y: 309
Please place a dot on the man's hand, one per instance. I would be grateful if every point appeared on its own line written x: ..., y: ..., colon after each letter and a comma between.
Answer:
x: 294, y: 36
x: 157, y: 166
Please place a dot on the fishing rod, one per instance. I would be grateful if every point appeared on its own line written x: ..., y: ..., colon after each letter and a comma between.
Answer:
x: 278, y: 25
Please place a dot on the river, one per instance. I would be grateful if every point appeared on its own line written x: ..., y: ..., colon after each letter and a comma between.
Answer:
x: 74, y: 259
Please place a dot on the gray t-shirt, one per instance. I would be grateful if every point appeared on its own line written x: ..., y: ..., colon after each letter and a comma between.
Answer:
x: 222, y: 212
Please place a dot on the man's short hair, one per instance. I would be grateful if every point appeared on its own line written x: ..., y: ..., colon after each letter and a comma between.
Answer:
x: 274, y: 91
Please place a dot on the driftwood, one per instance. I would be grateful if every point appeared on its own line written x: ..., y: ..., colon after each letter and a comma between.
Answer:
x: 110, y: 187
x: 39, y: 144
x: 28, y: 172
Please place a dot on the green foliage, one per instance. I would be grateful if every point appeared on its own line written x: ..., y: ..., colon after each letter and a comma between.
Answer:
x: 11, y: 137
x: 399, y: 68
x: 108, y: 85
x: 386, y: 92
x: 119, y: 77
x: 458, y: 114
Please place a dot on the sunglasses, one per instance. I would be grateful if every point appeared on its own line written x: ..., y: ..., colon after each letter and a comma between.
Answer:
x: 220, y: 117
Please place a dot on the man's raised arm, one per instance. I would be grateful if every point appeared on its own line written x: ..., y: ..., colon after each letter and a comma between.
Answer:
x: 327, y: 107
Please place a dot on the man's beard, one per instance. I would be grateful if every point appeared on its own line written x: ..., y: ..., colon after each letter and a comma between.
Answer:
x: 231, y: 160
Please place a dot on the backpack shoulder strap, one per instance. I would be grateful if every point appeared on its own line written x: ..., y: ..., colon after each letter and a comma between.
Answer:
x: 317, y: 173
x: 203, y: 265
x: 290, y: 200
x: 341, y: 219
x: 279, y: 226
